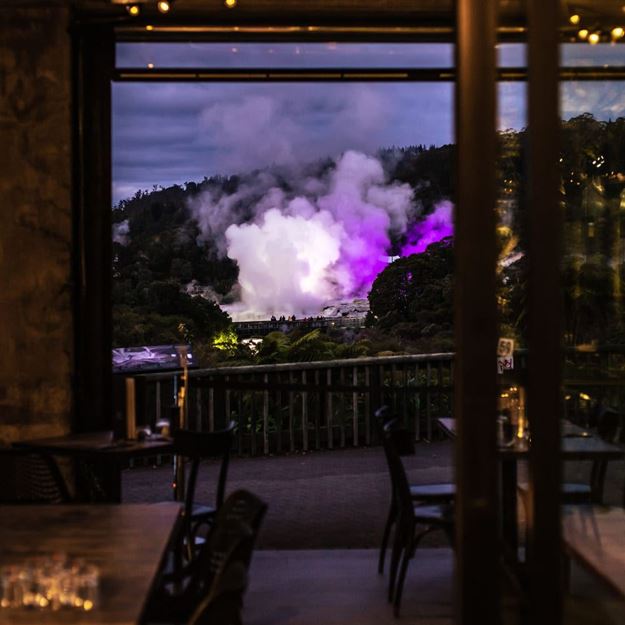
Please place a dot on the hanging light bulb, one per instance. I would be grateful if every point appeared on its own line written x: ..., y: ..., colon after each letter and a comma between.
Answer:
x: 133, y: 9
x: 163, y: 6
x: 594, y: 38
x: 230, y: 3
x: 583, y: 33
x: 575, y: 19
x: 618, y: 32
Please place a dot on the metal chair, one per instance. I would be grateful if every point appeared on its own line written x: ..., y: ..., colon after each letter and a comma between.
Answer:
x: 28, y: 477
x: 196, y: 447
x: 437, y: 493
x: 413, y: 521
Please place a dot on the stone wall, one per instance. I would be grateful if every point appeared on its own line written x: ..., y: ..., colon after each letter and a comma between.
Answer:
x: 36, y: 225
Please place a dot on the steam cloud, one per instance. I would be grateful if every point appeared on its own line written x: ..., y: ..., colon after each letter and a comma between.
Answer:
x: 326, y: 238
x: 121, y: 232
x: 433, y: 228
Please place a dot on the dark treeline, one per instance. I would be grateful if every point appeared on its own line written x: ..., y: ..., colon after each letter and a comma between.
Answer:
x: 157, y: 252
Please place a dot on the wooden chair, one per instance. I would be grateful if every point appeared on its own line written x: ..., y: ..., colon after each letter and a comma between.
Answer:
x: 197, y: 447
x: 437, y: 493
x: 210, y: 588
x: 28, y: 477
x: 413, y: 521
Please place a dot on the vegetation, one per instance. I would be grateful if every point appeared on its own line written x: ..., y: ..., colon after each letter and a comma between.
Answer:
x: 411, y: 302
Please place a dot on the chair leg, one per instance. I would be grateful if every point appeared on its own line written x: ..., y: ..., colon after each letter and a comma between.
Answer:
x: 387, y: 532
x: 409, y: 552
x: 407, y: 555
x: 395, y: 555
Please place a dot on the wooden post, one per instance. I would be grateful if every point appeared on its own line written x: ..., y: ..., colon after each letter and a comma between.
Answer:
x: 475, y: 250
x: 355, y: 407
x: 544, y: 315
x: 131, y: 409
x: 266, y: 415
x: 304, y: 414
x: 291, y: 415
x: 329, y: 408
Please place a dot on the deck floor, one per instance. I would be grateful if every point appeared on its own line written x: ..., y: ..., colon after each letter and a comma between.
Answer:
x: 342, y: 587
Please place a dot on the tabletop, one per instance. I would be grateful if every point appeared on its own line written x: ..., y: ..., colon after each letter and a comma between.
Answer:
x: 577, y: 443
x: 126, y: 542
x: 101, y: 443
x: 595, y: 535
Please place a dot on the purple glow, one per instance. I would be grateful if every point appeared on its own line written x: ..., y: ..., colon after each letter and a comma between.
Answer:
x: 432, y: 229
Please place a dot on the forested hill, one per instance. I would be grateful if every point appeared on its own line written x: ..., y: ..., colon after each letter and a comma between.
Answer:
x: 157, y: 247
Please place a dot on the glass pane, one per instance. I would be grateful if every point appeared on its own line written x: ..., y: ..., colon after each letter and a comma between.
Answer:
x: 593, y: 184
x: 600, y: 55
x: 512, y: 55
x: 284, y: 55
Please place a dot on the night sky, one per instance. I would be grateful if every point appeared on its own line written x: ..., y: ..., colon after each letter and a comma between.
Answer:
x: 177, y: 132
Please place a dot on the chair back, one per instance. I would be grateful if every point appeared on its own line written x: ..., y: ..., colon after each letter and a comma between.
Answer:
x: 198, y: 446
x: 609, y: 424
x: 30, y: 477
x: 399, y: 480
x: 222, y: 563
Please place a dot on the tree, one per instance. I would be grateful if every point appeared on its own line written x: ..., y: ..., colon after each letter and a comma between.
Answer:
x: 417, y: 290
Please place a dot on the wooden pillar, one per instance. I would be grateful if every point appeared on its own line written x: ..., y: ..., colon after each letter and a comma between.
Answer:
x: 94, y: 57
x: 477, y: 584
x: 544, y: 315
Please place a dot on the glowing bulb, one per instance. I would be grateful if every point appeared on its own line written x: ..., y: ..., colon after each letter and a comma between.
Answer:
x: 149, y: 27
x: 133, y: 9
x: 163, y: 6
x: 583, y: 33
x: 575, y: 19
x: 230, y: 3
x: 593, y: 39
x: 618, y: 32
x: 150, y: 65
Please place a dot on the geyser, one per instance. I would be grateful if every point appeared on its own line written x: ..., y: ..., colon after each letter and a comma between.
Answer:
x: 326, y: 238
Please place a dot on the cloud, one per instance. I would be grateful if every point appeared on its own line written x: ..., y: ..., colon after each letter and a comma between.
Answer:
x: 173, y: 133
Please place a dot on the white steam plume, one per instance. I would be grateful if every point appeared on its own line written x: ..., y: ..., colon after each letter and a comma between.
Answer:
x: 320, y: 239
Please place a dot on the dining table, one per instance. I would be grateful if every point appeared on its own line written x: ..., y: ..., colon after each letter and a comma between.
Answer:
x: 98, y: 459
x: 577, y: 444
x: 125, y: 543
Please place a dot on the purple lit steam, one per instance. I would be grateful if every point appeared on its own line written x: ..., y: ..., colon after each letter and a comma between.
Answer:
x: 325, y: 240
x: 432, y: 229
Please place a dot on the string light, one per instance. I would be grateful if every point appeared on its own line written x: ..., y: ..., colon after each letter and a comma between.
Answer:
x: 133, y: 9
x: 583, y: 33
x: 149, y: 27
x: 593, y: 39
x: 163, y: 6
x: 575, y: 19
x: 230, y: 3
x: 618, y: 33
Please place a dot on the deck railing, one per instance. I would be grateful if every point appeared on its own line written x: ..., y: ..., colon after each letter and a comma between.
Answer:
x: 329, y: 404
x: 305, y: 406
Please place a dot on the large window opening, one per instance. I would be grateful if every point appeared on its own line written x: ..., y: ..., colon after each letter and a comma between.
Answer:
x: 299, y: 205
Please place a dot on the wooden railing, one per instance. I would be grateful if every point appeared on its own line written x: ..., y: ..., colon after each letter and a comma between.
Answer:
x: 304, y: 406
x: 331, y: 404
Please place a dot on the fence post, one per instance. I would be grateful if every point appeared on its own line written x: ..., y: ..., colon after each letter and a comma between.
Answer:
x: 329, y: 408
x: 291, y: 415
x: 266, y: 415
x: 304, y: 414
x: 355, y: 407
